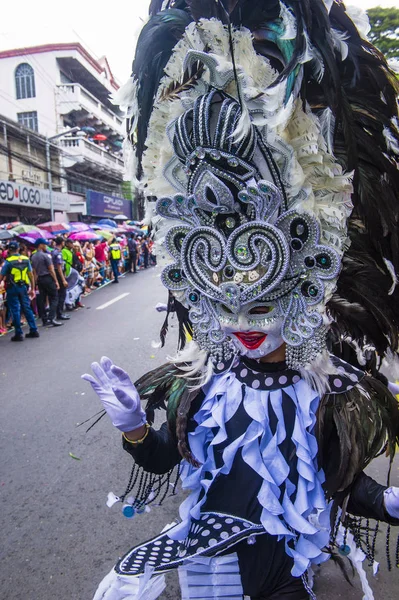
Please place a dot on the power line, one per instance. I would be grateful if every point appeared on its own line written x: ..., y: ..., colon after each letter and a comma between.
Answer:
x: 70, y: 176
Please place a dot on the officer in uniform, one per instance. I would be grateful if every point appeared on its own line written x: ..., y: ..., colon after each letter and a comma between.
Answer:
x: 116, y: 254
x: 47, y: 283
x: 20, y: 286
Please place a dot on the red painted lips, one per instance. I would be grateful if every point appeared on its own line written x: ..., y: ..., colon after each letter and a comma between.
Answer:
x: 251, y: 339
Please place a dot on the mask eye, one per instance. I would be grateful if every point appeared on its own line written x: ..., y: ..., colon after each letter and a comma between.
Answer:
x: 260, y: 310
x: 227, y: 310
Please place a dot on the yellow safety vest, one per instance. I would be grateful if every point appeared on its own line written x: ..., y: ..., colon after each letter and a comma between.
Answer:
x: 115, y: 251
x: 19, y: 270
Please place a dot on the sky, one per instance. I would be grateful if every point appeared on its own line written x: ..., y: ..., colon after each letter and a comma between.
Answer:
x: 111, y: 31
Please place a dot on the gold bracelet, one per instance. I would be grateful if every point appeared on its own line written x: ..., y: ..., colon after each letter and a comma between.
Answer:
x: 141, y: 440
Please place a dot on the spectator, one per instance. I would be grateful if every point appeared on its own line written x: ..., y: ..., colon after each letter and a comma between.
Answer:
x: 17, y: 271
x: 47, y: 283
x: 146, y: 252
x: 3, y: 310
x: 132, y: 247
x: 88, y: 252
x: 78, y: 261
x: 59, y: 266
x: 101, y: 256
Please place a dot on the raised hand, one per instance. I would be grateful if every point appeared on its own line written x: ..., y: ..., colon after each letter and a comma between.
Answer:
x: 391, y: 501
x: 118, y: 395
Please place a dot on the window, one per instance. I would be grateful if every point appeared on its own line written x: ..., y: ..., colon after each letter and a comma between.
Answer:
x: 29, y: 120
x: 25, y: 81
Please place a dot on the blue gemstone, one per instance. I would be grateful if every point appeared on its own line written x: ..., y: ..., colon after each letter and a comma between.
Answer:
x: 344, y: 550
x: 128, y: 511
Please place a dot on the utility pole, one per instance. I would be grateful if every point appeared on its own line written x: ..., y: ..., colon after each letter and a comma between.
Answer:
x: 48, y: 163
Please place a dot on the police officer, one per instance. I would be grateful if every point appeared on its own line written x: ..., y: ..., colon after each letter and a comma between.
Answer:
x: 115, y: 257
x: 47, y: 283
x: 20, y: 286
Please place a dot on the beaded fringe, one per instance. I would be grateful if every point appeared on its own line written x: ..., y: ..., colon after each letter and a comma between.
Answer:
x: 145, y: 488
x: 365, y: 537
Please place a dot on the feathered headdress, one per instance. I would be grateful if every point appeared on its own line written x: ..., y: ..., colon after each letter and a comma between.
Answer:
x: 292, y: 100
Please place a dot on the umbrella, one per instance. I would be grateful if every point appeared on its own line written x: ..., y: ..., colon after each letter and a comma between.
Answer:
x: 88, y: 129
x: 84, y: 236
x: 25, y: 229
x: 105, y: 233
x: 54, y: 227
x: 35, y: 235
x: 78, y: 226
x: 121, y: 217
x: 5, y: 235
x: 108, y: 222
x: 10, y: 225
x: 99, y: 137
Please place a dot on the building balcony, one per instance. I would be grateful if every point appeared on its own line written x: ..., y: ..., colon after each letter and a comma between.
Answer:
x: 79, y: 150
x: 73, y: 97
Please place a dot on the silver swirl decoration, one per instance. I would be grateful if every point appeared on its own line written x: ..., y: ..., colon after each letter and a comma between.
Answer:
x: 203, y: 253
x: 259, y: 245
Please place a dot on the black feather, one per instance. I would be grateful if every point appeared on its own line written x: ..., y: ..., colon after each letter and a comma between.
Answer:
x: 352, y: 429
x: 154, y: 48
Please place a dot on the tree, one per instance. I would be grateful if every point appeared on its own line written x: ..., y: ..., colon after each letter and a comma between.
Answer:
x: 384, y: 31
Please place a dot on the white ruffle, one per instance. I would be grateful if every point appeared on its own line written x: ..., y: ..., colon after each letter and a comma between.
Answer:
x: 302, y: 516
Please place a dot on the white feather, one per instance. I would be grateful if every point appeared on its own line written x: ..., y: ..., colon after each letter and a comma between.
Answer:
x: 195, y: 364
x: 327, y: 127
x: 360, y: 19
x: 338, y: 38
x: 289, y: 23
x: 126, y: 98
x: 390, y: 140
x: 317, y: 374
x: 392, y: 273
x: 243, y: 126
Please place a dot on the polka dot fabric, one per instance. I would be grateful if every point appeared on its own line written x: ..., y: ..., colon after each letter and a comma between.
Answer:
x: 345, y: 378
x: 208, y: 536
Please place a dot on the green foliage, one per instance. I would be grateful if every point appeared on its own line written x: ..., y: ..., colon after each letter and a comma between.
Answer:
x: 385, y: 30
x: 127, y: 190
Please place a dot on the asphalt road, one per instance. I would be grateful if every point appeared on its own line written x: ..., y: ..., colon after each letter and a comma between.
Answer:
x: 58, y: 539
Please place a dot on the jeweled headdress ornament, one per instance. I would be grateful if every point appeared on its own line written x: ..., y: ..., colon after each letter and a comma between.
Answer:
x: 268, y: 132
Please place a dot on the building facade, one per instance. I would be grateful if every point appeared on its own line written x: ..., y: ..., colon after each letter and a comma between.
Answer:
x: 52, y: 88
x: 24, y: 190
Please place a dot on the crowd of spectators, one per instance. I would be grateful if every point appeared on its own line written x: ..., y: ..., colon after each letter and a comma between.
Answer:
x: 61, y: 273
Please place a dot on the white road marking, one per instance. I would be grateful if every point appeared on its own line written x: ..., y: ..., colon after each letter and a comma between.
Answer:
x: 113, y: 301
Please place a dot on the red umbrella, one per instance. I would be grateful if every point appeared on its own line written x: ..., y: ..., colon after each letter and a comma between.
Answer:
x: 84, y: 236
x: 54, y: 227
x: 99, y: 137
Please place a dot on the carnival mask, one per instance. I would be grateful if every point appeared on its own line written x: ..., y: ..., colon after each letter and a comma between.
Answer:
x: 251, y: 271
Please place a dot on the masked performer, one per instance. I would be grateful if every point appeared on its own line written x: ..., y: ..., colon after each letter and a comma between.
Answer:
x: 268, y: 132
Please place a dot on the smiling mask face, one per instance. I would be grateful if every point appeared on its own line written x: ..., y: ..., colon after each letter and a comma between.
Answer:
x: 255, y: 332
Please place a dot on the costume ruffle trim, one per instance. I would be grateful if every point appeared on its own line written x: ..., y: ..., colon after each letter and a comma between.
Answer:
x: 294, y: 511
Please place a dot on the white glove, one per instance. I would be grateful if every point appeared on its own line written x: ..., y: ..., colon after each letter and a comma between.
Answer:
x: 391, y: 501
x: 393, y: 388
x: 118, y: 395
x: 128, y: 587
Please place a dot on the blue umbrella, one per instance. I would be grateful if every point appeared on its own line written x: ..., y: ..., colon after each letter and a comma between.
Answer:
x: 108, y: 222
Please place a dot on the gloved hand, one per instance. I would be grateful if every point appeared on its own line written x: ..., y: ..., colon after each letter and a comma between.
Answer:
x: 391, y: 501
x: 118, y: 395
x: 393, y: 388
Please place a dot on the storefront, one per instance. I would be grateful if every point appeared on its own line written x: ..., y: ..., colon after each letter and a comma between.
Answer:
x: 104, y: 205
x: 29, y: 204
